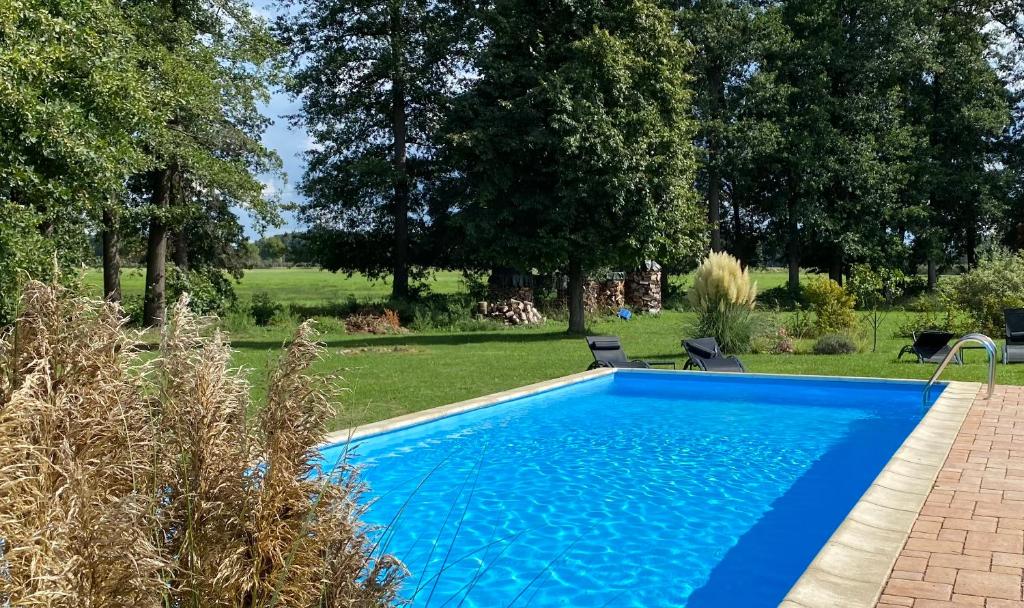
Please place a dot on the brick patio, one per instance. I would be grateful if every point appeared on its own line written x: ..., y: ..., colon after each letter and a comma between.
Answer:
x: 967, y: 545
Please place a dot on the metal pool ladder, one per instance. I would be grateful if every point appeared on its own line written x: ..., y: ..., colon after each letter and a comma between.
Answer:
x: 980, y: 339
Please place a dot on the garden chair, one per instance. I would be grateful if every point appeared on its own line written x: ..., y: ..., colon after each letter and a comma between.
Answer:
x: 705, y: 355
x: 607, y: 351
x: 930, y: 346
x: 1013, y: 350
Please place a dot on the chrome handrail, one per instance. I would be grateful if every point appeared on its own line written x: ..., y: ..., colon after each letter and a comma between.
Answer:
x: 990, y: 348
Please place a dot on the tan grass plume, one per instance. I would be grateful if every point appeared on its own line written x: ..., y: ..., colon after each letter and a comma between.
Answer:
x: 132, y: 483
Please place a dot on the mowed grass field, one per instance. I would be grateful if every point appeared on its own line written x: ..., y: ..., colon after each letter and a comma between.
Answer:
x: 389, y: 375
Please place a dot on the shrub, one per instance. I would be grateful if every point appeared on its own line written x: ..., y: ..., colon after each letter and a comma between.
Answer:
x: 800, y: 324
x: 263, y: 308
x: 981, y: 294
x: 832, y: 305
x: 723, y: 297
x: 780, y: 297
x: 209, y: 289
x: 835, y: 344
x: 141, y: 483
x: 132, y: 307
x: 24, y: 252
x: 778, y: 342
x: 876, y: 290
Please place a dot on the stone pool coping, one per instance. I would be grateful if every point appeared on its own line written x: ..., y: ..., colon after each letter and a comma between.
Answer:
x: 853, y: 566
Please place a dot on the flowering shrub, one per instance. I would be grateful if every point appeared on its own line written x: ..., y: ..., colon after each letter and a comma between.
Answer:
x: 832, y: 306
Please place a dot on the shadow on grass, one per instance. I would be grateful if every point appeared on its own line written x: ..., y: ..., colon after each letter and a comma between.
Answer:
x: 453, y: 339
x: 766, y: 561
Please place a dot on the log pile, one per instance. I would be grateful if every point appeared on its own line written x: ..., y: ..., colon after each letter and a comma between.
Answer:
x: 604, y: 296
x: 511, y: 312
x: 643, y: 289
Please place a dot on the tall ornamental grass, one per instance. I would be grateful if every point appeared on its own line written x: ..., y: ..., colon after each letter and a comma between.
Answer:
x: 723, y: 297
x: 137, y: 483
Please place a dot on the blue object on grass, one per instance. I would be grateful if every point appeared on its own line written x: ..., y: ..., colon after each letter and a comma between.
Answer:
x: 625, y: 314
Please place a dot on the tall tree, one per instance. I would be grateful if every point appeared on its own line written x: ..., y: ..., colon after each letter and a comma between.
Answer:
x: 723, y: 34
x: 76, y: 106
x: 215, y: 60
x: 846, y: 144
x: 575, y: 143
x: 963, y: 109
x: 374, y: 79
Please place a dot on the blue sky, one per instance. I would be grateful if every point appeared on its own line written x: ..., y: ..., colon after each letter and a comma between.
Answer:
x: 289, y: 143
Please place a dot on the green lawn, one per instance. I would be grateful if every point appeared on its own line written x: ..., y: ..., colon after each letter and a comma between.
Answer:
x: 306, y: 286
x: 395, y: 374
x: 392, y: 375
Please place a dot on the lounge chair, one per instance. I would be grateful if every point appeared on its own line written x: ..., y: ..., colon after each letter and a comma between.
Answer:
x: 1013, y: 351
x: 607, y: 351
x: 705, y: 355
x: 929, y: 347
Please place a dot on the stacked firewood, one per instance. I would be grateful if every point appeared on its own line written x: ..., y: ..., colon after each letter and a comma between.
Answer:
x: 511, y: 312
x: 604, y: 296
x: 643, y: 291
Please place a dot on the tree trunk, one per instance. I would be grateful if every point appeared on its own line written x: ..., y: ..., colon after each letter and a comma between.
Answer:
x: 180, y: 255
x: 972, y: 247
x: 835, y: 272
x: 111, y: 257
x: 400, y: 284
x: 933, y: 274
x: 737, y: 229
x: 154, y: 303
x: 793, y: 249
x: 714, y: 202
x: 577, y: 321
x: 716, y: 96
x: 666, y: 284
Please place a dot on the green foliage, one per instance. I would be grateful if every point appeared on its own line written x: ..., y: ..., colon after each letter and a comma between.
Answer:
x: 800, y: 324
x: 996, y: 283
x: 76, y: 104
x: 24, y: 254
x: 875, y: 288
x: 210, y: 290
x: 834, y: 344
x: 781, y: 297
x: 832, y: 305
x: 131, y: 305
x: 734, y: 327
x: 264, y: 308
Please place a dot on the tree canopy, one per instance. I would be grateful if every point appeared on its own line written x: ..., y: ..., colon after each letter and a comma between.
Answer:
x: 575, y: 141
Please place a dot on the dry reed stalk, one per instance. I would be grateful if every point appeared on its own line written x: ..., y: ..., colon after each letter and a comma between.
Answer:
x: 131, y: 484
x: 75, y: 439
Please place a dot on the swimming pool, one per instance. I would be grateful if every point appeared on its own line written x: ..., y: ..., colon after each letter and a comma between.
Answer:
x: 635, y: 488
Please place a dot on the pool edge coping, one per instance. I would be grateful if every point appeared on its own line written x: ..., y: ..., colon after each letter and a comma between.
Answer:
x: 852, y: 567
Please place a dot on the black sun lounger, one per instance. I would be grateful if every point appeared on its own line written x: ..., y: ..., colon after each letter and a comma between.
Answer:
x: 704, y: 354
x: 607, y: 351
x: 1013, y: 351
x: 929, y: 347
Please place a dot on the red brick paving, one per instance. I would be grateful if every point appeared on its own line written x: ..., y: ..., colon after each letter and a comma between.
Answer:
x: 967, y: 546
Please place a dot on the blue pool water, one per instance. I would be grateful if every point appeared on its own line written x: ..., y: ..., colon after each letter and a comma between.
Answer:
x: 634, y: 489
